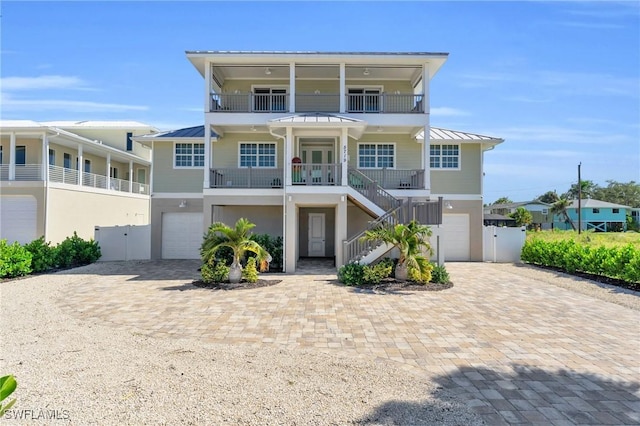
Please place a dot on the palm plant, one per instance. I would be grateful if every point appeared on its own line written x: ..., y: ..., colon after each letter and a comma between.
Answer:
x: 411, y: 240
x: 560, y: 208
x: 238, y: 239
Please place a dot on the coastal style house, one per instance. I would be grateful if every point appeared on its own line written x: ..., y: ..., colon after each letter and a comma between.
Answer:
x: 317, y: 147
x: 64, y: 176
x: 541, y: 216
x: 600, y: 216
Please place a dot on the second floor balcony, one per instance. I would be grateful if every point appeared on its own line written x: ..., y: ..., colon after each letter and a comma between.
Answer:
x: 314, y: 174
x: 56, y: 174
x: 274, y: 102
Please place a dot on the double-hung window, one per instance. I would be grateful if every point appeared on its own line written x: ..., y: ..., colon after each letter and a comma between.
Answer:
x: 257, y: 154
x: 189, y: 155
x: 269, y: 99
x: 67, y: 161
x: 444, y: 157
x: 376, y: 155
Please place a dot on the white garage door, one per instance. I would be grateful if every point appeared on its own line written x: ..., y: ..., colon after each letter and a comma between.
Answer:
x: 181, y: 235
x: 18, y: 215
x: 456, y: 237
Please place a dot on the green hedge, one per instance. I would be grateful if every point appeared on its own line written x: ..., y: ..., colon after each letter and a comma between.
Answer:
x: 39, y: 256
x: 621, y: 263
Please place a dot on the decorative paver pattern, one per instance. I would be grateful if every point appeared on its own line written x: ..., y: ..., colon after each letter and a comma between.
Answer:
x: 514, y: 349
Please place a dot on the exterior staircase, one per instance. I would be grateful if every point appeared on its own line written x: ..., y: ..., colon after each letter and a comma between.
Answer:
x: 391, y: 211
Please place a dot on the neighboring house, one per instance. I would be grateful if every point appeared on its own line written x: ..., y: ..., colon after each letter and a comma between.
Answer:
x: 600, y: 216
x: 491, y: 219
x: 540, y: 212
x: 61, y: 177
x: 316, y: 147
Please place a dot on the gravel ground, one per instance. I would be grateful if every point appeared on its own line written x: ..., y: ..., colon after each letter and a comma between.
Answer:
x: 606, y: 292
x: 81, y: 372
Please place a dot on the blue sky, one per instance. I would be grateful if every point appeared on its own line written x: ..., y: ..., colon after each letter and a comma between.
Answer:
x: 559, y: 81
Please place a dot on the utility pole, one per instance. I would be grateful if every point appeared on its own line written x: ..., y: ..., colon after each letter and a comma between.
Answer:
x: 579, y: 200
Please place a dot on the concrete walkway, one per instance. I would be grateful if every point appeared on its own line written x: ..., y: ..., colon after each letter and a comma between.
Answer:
x: 515, y: 348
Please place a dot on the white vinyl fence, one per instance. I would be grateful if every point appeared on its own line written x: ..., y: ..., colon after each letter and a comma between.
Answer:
x: 128, y: 242
x: 503, y: 245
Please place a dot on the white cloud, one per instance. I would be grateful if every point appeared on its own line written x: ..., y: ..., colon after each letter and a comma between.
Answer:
x: 31, y: 105
x: 557, y: 134
x: 537, y: 153
x: 447, y: 112
x: 42, y: 82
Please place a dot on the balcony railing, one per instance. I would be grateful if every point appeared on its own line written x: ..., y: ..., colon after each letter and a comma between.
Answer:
x: 397, y: 179
x: 315, y: 174
x: 33, y: 172
x: 385, y: 103
x: 247, y: 177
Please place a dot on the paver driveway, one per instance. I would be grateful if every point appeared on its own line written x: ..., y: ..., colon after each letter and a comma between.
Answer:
x: 516, y: 349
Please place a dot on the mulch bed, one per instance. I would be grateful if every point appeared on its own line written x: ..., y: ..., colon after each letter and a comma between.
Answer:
x: 240, y: 286
x: 390, y: 285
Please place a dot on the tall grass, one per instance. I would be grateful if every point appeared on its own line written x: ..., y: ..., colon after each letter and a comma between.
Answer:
x: 590, y: 238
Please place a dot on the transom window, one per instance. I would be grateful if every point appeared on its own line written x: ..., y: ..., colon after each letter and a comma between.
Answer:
x: 444, y: 157
x: 257, y: 154
x: 189, y: 155
x: 376, y: 155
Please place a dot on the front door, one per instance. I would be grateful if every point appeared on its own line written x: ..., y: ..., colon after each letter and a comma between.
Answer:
x: 316, y: 235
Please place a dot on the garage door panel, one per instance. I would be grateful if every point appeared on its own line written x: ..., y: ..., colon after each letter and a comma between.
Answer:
x: 456, y: 237
x: 18, y: 218
x: 181, y: 235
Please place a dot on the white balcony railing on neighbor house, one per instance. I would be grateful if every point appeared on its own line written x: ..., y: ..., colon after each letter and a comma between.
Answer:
x: 33, y: 172
x: 387, y: 103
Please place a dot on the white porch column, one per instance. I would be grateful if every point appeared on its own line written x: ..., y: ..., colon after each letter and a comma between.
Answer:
x: 341, y: 229
x: 343, y: 89
x: 426, y: 146
x: 207, y: 156
x: 425, y: 88
x: 292, y: 87
x: 108, y: 170
x: 45, y: 157
x: 290, y: 234
x: 344, y: 156
x: 80, y: 164
x: 288, y: 155
x: 130, y: 175
x: 208, y: 87
x: 12, y: 156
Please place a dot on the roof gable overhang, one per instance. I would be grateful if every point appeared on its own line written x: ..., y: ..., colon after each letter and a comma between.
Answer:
x: 355, y: 128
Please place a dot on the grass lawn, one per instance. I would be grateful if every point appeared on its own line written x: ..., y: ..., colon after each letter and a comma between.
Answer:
x: 595, y: 239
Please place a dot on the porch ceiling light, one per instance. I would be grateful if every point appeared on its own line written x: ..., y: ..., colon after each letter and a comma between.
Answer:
x: 448, y: 205
x: 366, y: 71
x: 267, y: 71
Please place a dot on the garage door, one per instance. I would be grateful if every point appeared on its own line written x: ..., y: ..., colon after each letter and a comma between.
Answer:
x: 18, y: 215
x: 181, y: 235
x: 456, y: 237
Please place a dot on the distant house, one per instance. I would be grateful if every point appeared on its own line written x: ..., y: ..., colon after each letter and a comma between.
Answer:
x: 491, y: 219
x: 540, y: 212
x: 600, y: 216
x: 58, y: 177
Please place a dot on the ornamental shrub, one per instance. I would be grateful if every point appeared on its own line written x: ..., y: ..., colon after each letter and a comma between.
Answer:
x: 439, y: 274
x: 351, y: 274
x: 217, y: 273
x: 74, y: 251
x: 15, y: 260
x: 250, y: 272
x: 376, y: 273
x: 42, y: 255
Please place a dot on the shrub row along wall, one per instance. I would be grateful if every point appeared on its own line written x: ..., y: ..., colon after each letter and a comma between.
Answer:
x: 621, y: 263
x: 40, y: 256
